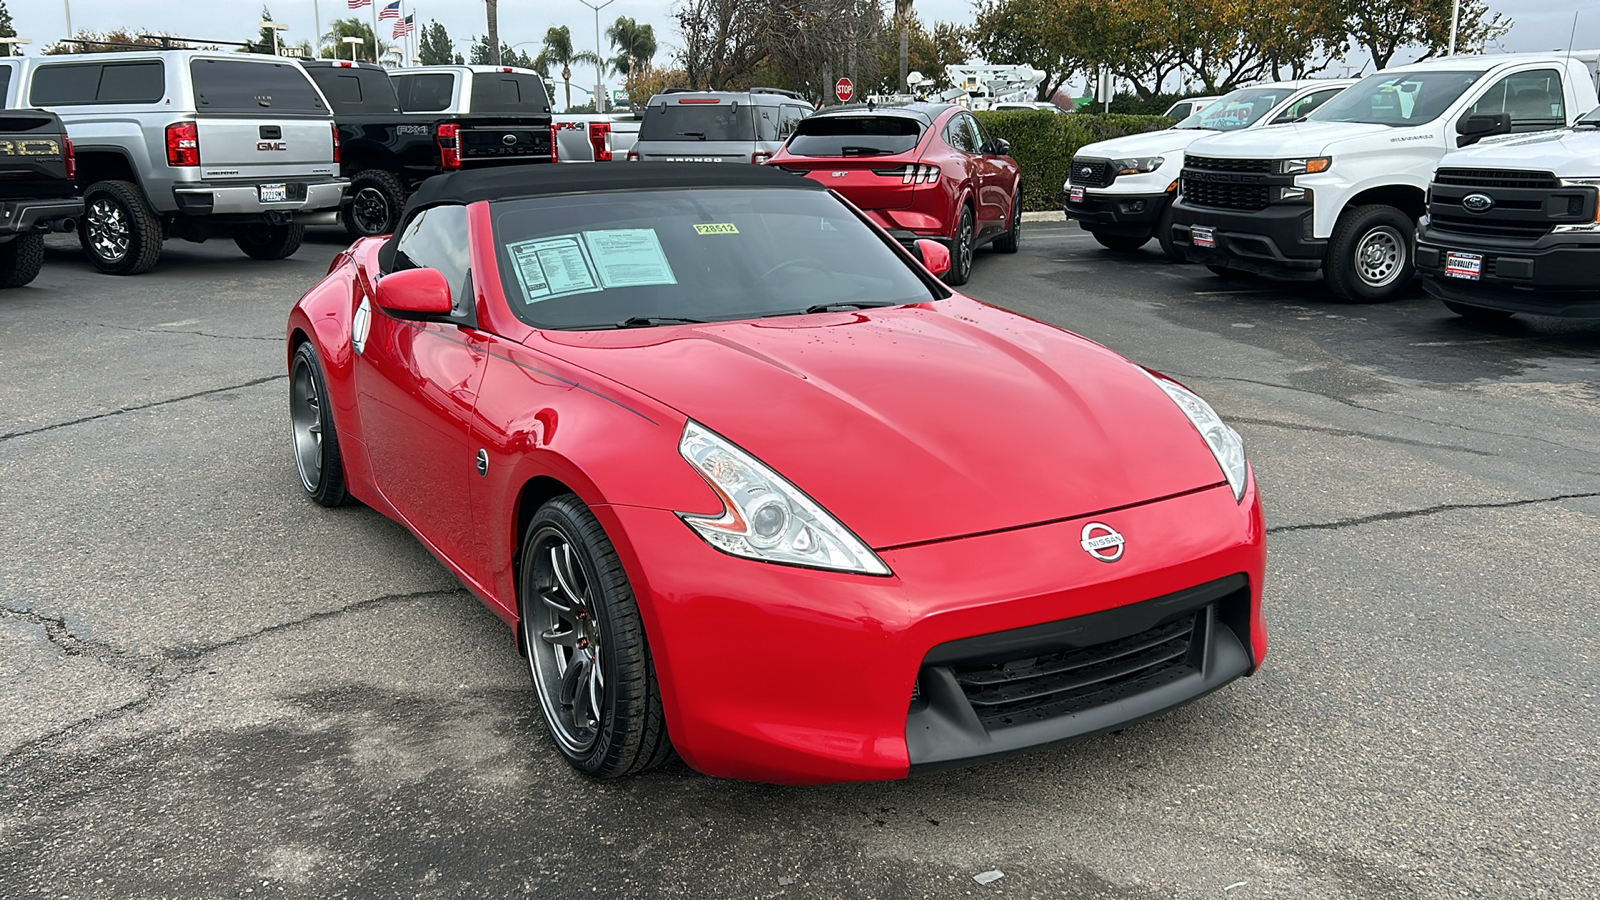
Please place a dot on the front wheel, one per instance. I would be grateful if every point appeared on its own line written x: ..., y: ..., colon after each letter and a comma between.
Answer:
x: 1369, y: 256
x: 20, y: 260
x: 961, y: 249
x: 269, y: 241
x: 1120, y: 242
x: 586, y: 646
x: 1478, y: 313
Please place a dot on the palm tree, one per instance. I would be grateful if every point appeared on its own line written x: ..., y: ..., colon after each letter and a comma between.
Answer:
x: 902, y: 18
x: 635, y: 45
x: 558, y: 52
x: 333, y: 41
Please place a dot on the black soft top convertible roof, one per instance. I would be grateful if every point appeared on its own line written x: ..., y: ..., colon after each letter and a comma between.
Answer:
x: 514, y: 182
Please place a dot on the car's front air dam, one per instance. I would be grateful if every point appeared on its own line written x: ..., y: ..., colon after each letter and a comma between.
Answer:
x: 782, y: 674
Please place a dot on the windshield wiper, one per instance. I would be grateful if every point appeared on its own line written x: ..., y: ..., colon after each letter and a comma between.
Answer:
x: 830, y: 307
x: 650, y: 321
x: 695, y: 134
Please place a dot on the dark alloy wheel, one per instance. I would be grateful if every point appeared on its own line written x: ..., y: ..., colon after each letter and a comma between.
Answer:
x: 586, y: 647
x: 20, y: 260
x: 316, y: 442
x: 961, y: 249
x: 119, y: 231
x: 1012, y: 239
x: 1478, y: 313
x: 376, y: 198
x: 269, y: 241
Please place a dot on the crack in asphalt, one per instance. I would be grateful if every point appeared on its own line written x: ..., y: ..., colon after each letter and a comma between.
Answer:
x: 1346, y: 432
x: 223, y: 337
x: 1427, y: 511
x: 128, y: 409
x: 159, y: 674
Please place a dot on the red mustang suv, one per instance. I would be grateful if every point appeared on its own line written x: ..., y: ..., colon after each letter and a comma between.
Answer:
x: 929, y: 169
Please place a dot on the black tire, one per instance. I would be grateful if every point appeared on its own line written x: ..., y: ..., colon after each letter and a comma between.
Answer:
x: 1478, y: 313
x: 590, y: 613
x: 119, y: 232
x: 1120, y: 242
x: 269, y: 241
x: 1229, y: 274
x: 376, y: 199
x: 1169, y: 247
x: 1012, y: 239
x: 1370, y: 256
x: 316, y: 440
x: 962, y: 243
x: 20, y: 260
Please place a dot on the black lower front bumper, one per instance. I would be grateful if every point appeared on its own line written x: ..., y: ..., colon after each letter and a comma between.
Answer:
x: 998, y: 694
x: 1124, y: 215
x: 38, y: 216
x: 1272, y: 241
x: 1555, y: 275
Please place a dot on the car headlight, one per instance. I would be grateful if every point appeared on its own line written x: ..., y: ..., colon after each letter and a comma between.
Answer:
x: 1225, y: 443
x: 765, y: 517
x: 1138, y: 165
x: 1309, y: 166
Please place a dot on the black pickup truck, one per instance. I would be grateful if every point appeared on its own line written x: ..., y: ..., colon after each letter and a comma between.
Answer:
x: 387, y: 152
x: 36, y: 190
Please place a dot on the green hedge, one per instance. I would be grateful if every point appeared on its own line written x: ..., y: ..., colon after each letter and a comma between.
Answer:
x: 1043, y: 144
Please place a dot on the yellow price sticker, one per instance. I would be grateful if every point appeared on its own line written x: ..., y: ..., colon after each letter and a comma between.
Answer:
x: 716, y: 228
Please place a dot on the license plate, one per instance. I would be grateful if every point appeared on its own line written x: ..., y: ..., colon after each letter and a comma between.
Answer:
x: 1463, y: 265
x: 273, y: 193
x: 1075, y: 195
x: 1203, y: 236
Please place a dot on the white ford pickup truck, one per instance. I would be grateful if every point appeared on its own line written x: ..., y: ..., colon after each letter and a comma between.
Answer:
x: 1341, y: 193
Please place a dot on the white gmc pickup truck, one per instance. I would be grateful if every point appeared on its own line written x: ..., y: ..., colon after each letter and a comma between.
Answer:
x: 1341, y: 193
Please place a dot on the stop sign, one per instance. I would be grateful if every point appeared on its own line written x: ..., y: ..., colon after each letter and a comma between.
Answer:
x: 844, y: 90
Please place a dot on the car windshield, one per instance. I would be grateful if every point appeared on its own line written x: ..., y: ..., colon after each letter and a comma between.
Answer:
x: 724, y: 120
x: 1398, y: 100
x: 855, y: 135
x: 613, y: 260
x: 1240, y: 109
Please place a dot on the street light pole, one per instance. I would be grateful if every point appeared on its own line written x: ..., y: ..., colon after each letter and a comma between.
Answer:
x: 599, y: 66
x: 1455, y: 19
x: 354, y: 42
x: 67, y: 4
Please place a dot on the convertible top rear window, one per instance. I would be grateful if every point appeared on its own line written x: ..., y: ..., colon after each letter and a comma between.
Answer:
x: 594, y: 261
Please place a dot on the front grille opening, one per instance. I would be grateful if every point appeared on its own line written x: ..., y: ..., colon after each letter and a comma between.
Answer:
x: 1495, y: 178
x: 1100, y: 173
x: 1218, y: 164
x: 1007, y: 693
x: 1227, y: 195
x: 1488, y: 226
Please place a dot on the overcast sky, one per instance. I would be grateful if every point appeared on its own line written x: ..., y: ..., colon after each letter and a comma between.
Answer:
x: 1540, y: 24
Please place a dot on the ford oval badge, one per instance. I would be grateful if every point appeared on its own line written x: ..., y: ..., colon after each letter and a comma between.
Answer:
x: 1477, y: 203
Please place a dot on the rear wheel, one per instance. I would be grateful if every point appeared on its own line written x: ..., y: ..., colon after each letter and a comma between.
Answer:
x: 586, y: 646
x: 1011, y: 240
x: 20, y: 259
x: 1478, y: 313
x: 1120, y: 242
x: 316, y: 441
x: 269, y: 241
x: 961, y: 249
x: 376, y: 198
x: 120, y: 232
x: 1369, y: 255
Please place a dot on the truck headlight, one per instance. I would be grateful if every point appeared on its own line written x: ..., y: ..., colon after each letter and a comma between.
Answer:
x: 1138, y: 165
x: 1309, y: 166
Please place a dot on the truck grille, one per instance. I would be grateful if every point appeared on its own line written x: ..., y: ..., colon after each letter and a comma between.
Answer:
x: 1463, y: 223
x: 1217, y: 164
x: 1091, y: 172
x: 1495, y: 178
x: 1017, y: 691
x: 1226, y: 195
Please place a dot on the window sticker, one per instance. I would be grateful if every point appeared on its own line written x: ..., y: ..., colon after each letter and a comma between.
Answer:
x: 552, y: 267
x: 716, y: 228
x: 629, y: 257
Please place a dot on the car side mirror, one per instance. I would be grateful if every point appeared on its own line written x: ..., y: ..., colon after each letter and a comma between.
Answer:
x: 1474, y: 128
x: 415, y: 294
x: 935, y: 256
x: 1002, y: 147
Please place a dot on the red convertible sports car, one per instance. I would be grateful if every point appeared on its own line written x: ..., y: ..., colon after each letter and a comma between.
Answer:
x: 749, y: 483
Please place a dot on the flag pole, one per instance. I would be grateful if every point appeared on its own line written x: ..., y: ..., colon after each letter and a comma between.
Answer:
x: 375, y: 33
x: 316, y: 37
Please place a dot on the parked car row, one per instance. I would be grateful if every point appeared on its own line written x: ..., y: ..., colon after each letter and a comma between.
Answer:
x: 1415, y: 169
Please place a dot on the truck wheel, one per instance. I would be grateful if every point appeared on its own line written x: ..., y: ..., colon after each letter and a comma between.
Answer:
x: 20, y: 259
x: 1120, y: 242
x: 1478, y: 313
x: 376, y: 198
x: 120, y: 232
x: 269, y: 241
x: 1369, y: 257
x: 1164, y: 236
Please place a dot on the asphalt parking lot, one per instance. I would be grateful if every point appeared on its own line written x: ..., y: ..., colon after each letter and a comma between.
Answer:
x: 211, y: 687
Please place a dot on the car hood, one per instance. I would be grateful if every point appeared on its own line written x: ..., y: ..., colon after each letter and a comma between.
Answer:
x: 1287, y: 141
x: 1153, y: 143
x: 1572, y: 154
x: 919, y: 423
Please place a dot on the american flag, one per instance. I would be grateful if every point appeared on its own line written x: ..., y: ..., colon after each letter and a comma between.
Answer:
x: 357, y: 4
x: 392, y: 11
x: 403, y: 27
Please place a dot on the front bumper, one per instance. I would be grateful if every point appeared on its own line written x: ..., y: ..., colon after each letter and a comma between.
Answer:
x: 1272, y: 241
x: 1555, y: 275
x: 1128, y: 215
x: 244, y: 198
x: 29, y: 216
x: 782, y: 674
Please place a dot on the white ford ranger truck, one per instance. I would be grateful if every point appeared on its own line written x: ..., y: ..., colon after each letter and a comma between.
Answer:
x: 1121, y: 190
x: 1340, y: 194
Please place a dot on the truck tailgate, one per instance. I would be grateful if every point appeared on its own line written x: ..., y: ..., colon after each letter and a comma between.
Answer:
x: 265, y: 147
x: 505, y: 139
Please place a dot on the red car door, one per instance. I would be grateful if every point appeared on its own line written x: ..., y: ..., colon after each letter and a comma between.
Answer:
x: 993, y: 174
x: 418, y: 383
